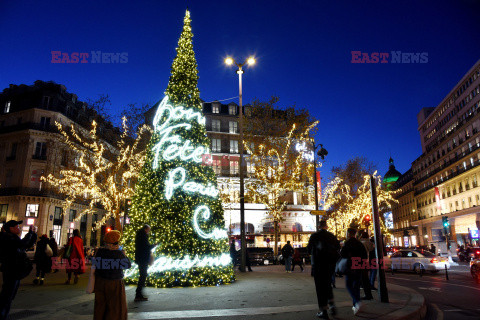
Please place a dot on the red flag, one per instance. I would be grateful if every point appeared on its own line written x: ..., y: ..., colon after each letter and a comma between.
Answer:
x: 437, y: 198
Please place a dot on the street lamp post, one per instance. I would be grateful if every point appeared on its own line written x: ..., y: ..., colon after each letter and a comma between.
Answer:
x: 321, y: 153
x: 250, y: 61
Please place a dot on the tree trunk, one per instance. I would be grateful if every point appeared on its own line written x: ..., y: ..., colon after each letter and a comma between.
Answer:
x: 275, y: 231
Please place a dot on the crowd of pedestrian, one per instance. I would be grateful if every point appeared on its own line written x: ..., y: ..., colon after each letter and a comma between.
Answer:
x: 328, y: 259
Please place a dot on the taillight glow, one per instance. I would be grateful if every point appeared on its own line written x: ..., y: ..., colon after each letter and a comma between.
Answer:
x: 434, y: 260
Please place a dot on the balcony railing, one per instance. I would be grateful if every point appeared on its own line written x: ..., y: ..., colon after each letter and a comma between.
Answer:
x: 448, y: 163
x: 28, y: 126
x: 460, y: 170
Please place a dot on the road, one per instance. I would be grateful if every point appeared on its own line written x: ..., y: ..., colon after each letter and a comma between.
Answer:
x: 455, y: 299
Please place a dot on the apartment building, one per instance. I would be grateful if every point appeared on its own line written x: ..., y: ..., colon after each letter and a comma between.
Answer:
x: 445, y: 177
x: 30, y: 147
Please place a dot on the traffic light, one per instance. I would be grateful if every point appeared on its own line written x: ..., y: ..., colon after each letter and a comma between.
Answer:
x: 446, y: 225
x: 367, y: 220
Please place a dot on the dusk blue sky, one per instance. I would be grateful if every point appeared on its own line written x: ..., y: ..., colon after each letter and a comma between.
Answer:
x: 303, y: 49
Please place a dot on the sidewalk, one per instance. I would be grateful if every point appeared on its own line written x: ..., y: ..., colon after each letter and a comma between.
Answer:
x: 266, y: 293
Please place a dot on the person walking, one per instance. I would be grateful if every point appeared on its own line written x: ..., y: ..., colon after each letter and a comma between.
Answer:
x: 15, y: 264
x: 324, y: 247
x: 75, y: 257
x: 110, y: 298
x: 354, y: 250
x: 143, y: 250
x: 233, y: 253
x: 287, y: 252
x: 433, y: 249
x: 43, y: 260
x: 54, y: 246
x: 297, y: 260
x: 369, y: 247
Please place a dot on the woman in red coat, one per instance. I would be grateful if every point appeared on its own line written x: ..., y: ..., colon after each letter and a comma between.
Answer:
x: 76, y: 259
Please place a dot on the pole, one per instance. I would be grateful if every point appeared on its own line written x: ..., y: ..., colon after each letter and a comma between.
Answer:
x: 317, y: 217
x: 242, y: 186
x: 382, y: 288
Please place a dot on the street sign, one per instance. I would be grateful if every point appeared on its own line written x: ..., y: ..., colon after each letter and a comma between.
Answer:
x: 318, y: 212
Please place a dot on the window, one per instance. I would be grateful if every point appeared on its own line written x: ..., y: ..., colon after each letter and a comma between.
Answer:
x: 72, y: 215
x: 215, y: 108
x: 3, y: 212
x: 58, y: 216
x: 32, y: 210
x: 57, y: 232
x: 217, y: 166
x: 233, y: 167
x: 64, y: 159
x: 232, y: 109
x: 13, y: 152
x: 233, y: 146
x: 46, y: 102
x: 233, y: 127
x: 45, y: 122
x: 216, y: 145
x: 41, y: 151
x: 7, y: 107
x: 216, y: 125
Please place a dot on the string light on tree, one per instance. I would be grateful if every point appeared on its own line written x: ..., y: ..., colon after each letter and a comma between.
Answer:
x: 104, y: 175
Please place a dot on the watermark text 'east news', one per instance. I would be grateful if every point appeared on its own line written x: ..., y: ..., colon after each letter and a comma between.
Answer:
x: 389, y: 57
x: 89, y: 57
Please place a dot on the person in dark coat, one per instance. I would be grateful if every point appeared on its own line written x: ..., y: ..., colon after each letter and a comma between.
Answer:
x: 54, y: 246
x: 287, y: 253
x: 233, y: 253
x: 355, y: 252
x: 143, y: 250
x: 43, y: 262
x: 12, y: 257
x: 324, y: 247
x: 109, y: 263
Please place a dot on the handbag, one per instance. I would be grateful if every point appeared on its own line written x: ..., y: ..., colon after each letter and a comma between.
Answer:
x: 342, y: 266
x: 68, y: 252
x: 48, y: 251
x: 91, y: 281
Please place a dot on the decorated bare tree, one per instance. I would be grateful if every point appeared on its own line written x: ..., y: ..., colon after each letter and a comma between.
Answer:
x: 103, y: 175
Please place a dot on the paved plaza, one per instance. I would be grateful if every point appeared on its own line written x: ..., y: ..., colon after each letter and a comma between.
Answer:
x: 266, y: 293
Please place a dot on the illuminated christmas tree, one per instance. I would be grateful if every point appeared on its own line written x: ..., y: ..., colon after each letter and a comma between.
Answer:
x: 177, y: 195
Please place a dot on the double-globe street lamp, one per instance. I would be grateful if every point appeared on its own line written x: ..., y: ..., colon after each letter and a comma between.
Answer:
x: 250, y: 61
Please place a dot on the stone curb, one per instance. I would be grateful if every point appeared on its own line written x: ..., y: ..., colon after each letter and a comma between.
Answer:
x: 414, y: 309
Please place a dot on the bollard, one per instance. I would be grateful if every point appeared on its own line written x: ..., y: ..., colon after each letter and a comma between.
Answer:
x: 421, y: 271
x: 446, y: 272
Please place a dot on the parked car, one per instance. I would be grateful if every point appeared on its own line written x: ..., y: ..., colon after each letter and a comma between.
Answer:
x: 418, y: 261
x: 261, y: 256
x: 475, y: 269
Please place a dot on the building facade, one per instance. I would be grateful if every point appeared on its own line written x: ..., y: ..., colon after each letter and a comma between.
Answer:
x: 31, y: 147
x: 444, y: 179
